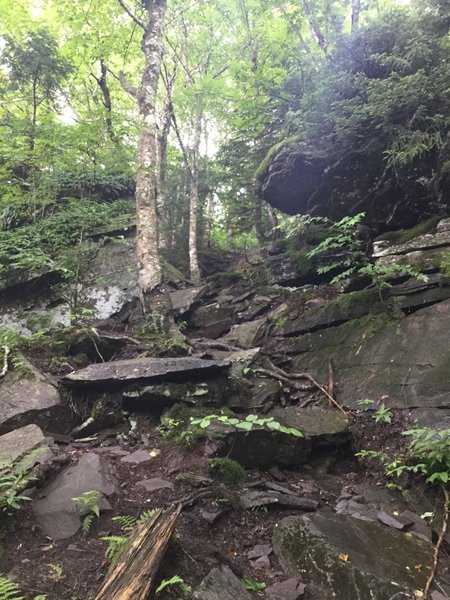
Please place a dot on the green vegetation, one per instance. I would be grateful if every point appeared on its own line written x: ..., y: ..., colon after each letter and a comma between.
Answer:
x: 89, y: 509
x: 177, y: 582
x: 246, y: 424
x: 15, y: 477
x: 226, y: 470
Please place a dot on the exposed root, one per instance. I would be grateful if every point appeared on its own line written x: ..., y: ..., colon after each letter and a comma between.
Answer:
x: 437, y: 548
x: 6, y: 353
x: 277, y: 373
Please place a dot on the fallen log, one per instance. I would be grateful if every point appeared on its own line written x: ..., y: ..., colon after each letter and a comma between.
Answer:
x: 134, y: 573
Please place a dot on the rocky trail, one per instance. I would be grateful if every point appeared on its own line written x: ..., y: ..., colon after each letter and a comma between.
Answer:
x: 269, y: 371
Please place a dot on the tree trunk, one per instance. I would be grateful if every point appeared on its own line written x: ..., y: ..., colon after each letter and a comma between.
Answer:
x: 148, y: 262
x: 194, y: 268
x: 314, y: 26
x: 356, y: 10
x: 106, y: 94
x: 257, y: 213
x: 162, y: 175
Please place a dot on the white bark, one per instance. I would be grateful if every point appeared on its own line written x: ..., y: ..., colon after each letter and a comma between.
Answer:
x: 194, y: 268
x: 148, y: 262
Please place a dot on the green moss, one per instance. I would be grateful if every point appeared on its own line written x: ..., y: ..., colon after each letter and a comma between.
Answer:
x: 402, y: 236
x: 226, y: 470
x: 285, y: 144
x: 444, y: 263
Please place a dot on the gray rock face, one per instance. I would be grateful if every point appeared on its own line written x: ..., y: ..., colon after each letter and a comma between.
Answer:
x: 212, y: 320
x: 31, y: 399
x: 405, y: 360
x: 16, y: 444
x: 119, y: 373
x: 185, y: 300
x: 354, y: 558
x: 221, y: 584
x: 54, y: 509
x: 291, y: 589
x: 246, y: 334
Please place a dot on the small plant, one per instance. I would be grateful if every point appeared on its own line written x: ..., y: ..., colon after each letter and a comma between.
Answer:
x: 88, y: 507
x: 14, y: 478
x: 115, y: 547
x: 226, y: 470
x: 177, y: 581
x: 366, y: 402
x: 117, y: 543
x: 56, y: 572
x: 9, y: 590
x: 247, y: 424
x: 382, y: 415
x: 254, y: 586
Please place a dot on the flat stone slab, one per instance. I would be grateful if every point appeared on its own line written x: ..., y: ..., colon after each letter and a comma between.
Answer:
x: 185, y: 299
x: 290, y: 589
x: 28, y: 398
x: 155, y: 484
x: 136, y: 458
x: 142, y: 370
x: 16, y: 444
x: 356, y: 559
x: 56, y: 513
x: 221, y: 584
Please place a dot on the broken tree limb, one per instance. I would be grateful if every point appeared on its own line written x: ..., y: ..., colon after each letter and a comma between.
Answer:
x: 134, y: 573
x: 330, y: 387
x: 6, y: 352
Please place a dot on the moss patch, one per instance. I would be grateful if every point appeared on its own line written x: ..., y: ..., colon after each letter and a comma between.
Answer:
x: 226, y: 470
x: 284, y: 145
x: 403, y: 236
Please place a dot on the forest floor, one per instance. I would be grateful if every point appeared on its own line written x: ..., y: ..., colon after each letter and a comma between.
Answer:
x: 73, y: 569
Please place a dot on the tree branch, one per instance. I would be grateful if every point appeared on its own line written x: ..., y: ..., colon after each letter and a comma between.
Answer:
x: 130, y: 14
x: 131, y: 89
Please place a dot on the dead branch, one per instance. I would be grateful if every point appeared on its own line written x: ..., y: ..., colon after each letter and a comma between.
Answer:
x: 437, y: 548
x: 134, y: 572
x: 330, y: 387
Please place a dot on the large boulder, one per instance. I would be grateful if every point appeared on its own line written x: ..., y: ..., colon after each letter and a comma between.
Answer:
x: 350, y: 558
x: 221, y: 584
x: 265, y: 447
x: 297, y: 179
x: 56, y: 512
x: 26, y: 396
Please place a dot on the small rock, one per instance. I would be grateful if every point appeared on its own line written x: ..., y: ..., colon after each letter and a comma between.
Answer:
x: 276, y: 473
x: 16, y: 444
x: 221, y: 584
x: 279, y: 488
x: 260, y: 550
x: 152, y: 485
x: 390, y: 521
x: 438, y: 596
x: 136, y: 458
x: 262, y: 562
x: 291, y: 589
x: 212, y: 517
x: 111, y: 450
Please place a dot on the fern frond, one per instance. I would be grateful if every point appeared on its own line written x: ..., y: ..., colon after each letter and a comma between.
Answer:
x: 116, y: 544
x: 146, y: 516
x: 126, y: 522
x: 9, y: 590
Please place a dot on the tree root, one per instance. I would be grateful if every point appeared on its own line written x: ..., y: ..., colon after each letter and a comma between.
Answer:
x: 6, y: 353
x: 284, y: 377
x: 437, y: 548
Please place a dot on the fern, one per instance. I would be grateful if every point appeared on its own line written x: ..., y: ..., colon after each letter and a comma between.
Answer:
x: 9, y: 590
x: 146, y: 516
x: 126, y: 522
x: 116, y: 544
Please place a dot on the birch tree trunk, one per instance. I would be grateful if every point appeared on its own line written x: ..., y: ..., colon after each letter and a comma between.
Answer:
x: 148, y: 262
x: 194, y: 268
x: 356, y: 10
